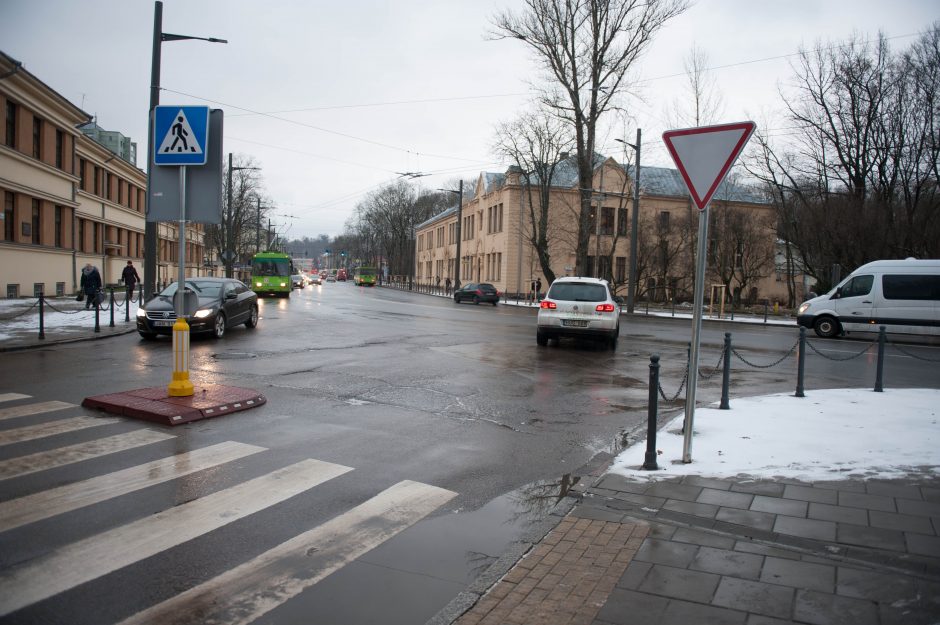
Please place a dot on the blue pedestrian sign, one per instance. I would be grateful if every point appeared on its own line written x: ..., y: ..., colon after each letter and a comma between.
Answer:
x: 180, y: 135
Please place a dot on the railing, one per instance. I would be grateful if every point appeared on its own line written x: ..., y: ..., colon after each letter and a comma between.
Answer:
x: 102, y: 302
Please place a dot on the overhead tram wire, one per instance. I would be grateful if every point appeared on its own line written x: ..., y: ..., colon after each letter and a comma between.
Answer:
x: 312, y: 127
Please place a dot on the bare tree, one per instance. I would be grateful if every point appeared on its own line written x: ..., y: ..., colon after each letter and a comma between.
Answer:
x: 587, y: 48
x: 536, y: 144
x: 741, y: 252
x: 702, y: 104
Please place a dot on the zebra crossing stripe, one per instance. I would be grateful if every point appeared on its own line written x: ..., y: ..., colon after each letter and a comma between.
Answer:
x: 12, y: 396
x: 246, y: 592
x: 40, y: 461
x: 32, y: 432
x: 31, y: 409
x: 49, y: 503
x: 104, y: 553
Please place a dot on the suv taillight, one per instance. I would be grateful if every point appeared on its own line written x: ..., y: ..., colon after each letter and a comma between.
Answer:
x: 605, y: 308
x: 548, y: 304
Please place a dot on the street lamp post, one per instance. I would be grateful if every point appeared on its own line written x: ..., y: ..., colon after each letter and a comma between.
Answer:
x: 150, y: 227
x: 634, y: 222
x: 459, y: 193
x: 229, y: 254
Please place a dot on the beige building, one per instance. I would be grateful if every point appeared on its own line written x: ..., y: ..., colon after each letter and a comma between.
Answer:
x: 497, y: 222
x: 67, y: 199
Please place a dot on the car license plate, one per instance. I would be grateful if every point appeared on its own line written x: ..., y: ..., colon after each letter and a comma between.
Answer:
x: 164, y: 323
x: 574, y: 323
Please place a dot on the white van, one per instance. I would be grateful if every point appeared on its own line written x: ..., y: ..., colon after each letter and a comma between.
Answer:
x: 902, y: 295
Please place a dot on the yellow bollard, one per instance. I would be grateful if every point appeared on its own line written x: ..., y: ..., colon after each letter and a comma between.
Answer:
x: 776, y: 308
x: 180, y: 386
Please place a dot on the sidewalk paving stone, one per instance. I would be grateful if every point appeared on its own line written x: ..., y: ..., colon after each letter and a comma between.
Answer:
x: 809, y: 493
x: 821, y: 577
x: 840, y: 514
x: 776, y: 505
x: 826, y: 609
x: 806, y: 528
x: 754, y: 596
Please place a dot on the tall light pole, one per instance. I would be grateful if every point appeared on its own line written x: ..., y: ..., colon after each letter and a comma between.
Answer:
x: 150, y: 227
x: 229, y: 254
x: 634, y: 223
x: 459, y: 193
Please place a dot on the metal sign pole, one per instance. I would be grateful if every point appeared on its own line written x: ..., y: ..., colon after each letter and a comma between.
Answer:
x: 180, y: 386
x: 696, y: 335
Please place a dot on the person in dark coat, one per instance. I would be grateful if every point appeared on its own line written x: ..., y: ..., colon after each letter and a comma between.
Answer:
x: 90, y: 283
x: 131, y: 278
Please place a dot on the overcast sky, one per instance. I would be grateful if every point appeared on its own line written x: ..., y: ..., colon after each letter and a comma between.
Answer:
x: 333, y: 99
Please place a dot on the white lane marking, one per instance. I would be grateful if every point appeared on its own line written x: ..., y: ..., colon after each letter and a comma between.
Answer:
x: 246, y: 592
x: 32, y: 432
x: 95, y: 556
x: 40, y: 461
x: 52, y: 502
x: 13, y: 396
x: 31, y: 409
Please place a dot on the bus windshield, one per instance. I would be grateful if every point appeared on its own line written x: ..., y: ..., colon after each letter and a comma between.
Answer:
x: 270, y: 267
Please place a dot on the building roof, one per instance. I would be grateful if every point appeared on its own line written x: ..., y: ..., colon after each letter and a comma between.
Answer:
x: 668, y: 182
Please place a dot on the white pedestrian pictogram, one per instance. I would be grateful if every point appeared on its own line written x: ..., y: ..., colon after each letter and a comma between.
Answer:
x: 180, y: 138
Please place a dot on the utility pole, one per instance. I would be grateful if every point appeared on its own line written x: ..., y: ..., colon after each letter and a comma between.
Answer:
x: 258, y: 229
x: 634, y: 222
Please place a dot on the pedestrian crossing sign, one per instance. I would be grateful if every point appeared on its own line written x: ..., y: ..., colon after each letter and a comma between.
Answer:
x: 180, y: 135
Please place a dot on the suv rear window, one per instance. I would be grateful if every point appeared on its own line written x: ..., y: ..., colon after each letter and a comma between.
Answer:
x: 578, y: 292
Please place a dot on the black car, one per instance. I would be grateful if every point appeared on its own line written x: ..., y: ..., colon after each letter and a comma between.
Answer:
x: 222, y: 303
x: 477, y: 292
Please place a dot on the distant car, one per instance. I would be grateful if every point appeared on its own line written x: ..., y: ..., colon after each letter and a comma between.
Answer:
x: 223, y: 303
x: 477, y: 292
x: 579, y: 307
x: 315, y: 279
x: 331, y: 278
x: 341, y: 275
x: 297, y: 281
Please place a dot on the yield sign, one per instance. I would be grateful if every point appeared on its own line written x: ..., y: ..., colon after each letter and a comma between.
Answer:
x: 704, y: 155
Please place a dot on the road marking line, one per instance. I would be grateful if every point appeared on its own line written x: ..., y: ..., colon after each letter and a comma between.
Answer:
x: 55, y: 501
x: 32, y: 432
x: 246, y: 592
x: 31, y: 409
x: 96, y: 556
x: 40, y: 461
x: 13, y: 396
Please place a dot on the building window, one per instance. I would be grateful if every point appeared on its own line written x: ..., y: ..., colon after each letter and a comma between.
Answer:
x: 37, y: 138
x: 82, y: 163
x: 622, y: 221
x: 621, y: 275
x: 664, y: 220
x: 81, y: 235
x: 589, y: 269
x: 107, y: 185
x: 97, y: 190
x: 592, y: 221
x: 9, y: 230
x: 499, y: 219
x: 120, y: 186
x: 58, y: 226
x: 607, y: 220
x: 59, y: 147
x: 37, y: 221
x: 11, y: 124
x: 96, y: 237
x: 603, y: 267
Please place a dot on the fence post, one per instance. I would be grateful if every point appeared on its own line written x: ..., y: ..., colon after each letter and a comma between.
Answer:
x: 726, y: 374
x: 765, y: 311
x: 801, y: 360
x: 97, y: 313
x: 128, y: 296
x: 111, y: 304
x: 647, y: 304
x: 42, y: 326
x: 673, y: 305
x: 879, y: 376
x: 649, y: 463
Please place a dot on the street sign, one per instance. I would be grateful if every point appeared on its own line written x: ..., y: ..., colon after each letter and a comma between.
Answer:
x: 203, y: 184
x: 180, y: 135
x: 704, y: 155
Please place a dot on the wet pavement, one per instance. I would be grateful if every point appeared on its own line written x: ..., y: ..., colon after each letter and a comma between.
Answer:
x: 736, y: 551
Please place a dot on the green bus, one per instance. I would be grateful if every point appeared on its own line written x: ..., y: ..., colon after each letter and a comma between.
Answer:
x: 364, y: 276
x: 270, y: 274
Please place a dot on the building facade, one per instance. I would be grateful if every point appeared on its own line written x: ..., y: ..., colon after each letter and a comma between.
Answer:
x: 69, y: 200
x: 496, y: 234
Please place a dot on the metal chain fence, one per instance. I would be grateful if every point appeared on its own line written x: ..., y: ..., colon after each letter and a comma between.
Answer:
x: 907, y: 353
x: 838, y: 359
x: 662, y: 393
x: 773, y: 364
x: 717, y: 368
x: 64, y: 312
x: 21, y: 313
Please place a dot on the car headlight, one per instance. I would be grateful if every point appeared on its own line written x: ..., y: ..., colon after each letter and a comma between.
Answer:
x: 203, y: 313
x: 803, y: 308
x: 141, y: 312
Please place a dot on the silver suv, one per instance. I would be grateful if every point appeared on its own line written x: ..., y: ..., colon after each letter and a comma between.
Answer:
x: 579, y: 307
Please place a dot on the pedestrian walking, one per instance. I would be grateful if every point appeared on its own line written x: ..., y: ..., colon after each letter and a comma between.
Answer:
x: 538, y: 289
x: 90, y: 284
x: 131, y: 278
x: 447, y: 285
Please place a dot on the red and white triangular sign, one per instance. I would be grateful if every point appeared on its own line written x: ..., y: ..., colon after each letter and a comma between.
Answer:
x: 704, y: 155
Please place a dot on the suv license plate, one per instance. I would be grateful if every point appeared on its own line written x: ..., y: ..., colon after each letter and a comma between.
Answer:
x: 164, y: 323
x: 574, y: 323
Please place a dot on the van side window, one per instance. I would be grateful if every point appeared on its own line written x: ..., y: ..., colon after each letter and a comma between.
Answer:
x: 859, y: 285
x: 911, y: 287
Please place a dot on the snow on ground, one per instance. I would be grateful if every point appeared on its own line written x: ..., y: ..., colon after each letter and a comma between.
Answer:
x: 827, y: 435
x: 74, y: 315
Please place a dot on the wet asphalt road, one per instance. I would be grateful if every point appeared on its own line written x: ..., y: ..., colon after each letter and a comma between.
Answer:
x: 396, y: 386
